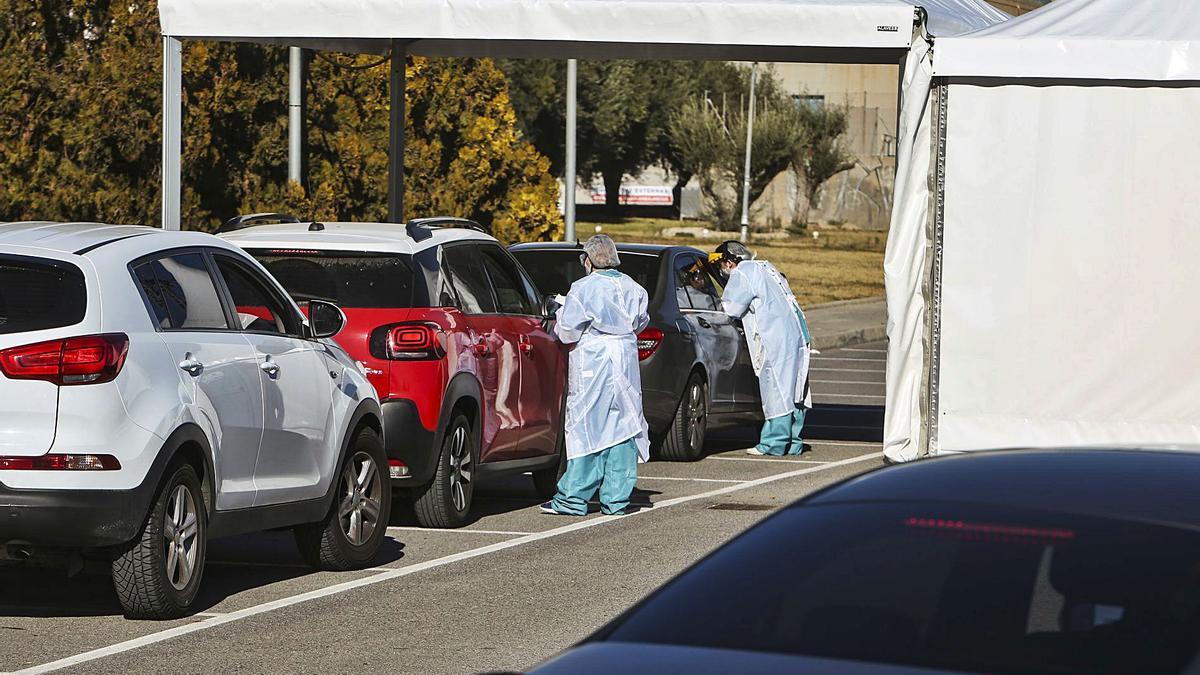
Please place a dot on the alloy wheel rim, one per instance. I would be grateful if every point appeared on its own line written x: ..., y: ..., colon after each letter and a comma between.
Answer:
x: 181, y: 527
x: 696, y: 413
x: 362, y: 499
x: 460, y: 468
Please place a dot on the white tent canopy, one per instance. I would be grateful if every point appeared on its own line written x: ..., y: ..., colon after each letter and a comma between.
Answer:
x: 1041, y: 265
x: 741, y: 29
x: 1084, y: 39
x: 821, y: 31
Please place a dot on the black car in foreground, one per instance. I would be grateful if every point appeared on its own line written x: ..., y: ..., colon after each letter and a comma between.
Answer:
x: 1074, y: 561
x: 696, y: 370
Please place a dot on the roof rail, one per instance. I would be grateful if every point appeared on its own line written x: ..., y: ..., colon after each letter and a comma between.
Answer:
x: 242, y: 222
x: 418, y: 228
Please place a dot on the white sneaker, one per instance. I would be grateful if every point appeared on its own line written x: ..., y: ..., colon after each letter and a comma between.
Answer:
x: 755, y: 451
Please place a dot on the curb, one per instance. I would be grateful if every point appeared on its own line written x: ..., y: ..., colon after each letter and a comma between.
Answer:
x: 843, y: 303
x: 850, y: 338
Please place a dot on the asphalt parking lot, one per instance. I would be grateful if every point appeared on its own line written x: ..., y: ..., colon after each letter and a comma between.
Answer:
x: 506, y: 592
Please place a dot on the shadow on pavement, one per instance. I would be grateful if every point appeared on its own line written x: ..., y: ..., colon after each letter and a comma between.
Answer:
x: 837, y: 422
x: 235, y: 565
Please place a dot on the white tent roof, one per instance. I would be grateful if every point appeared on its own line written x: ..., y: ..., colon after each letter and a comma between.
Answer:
x: 821, y: 30
x: 1083, y: 39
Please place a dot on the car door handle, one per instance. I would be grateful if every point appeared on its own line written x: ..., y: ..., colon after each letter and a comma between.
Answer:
x: 191, y: 366
x: 269, y: 367
x: 482, y: 349
x: 526, y: 347
x: 703, y: 322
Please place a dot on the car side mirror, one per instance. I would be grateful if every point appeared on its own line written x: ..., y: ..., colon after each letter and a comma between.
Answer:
x: 325, y: 319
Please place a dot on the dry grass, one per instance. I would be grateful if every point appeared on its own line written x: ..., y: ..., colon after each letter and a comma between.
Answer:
x: 837, y: 265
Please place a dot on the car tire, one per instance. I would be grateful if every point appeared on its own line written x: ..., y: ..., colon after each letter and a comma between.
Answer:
x: 350, y: 536
x: 158, y: 575
x: 545, y: 482
x: 684, y: 441
x: 446, y: 501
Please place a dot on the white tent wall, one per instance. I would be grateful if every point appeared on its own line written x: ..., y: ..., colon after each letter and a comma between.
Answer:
x: 905, y: 264
x: 1048, y: 258
x: 1068, y: 282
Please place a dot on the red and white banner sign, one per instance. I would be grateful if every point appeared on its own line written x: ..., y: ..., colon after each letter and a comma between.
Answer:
x: 637, y: 195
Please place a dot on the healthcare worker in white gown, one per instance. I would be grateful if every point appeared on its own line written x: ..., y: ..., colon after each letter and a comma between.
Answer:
x: 779, y: 341
x: 606, y: 432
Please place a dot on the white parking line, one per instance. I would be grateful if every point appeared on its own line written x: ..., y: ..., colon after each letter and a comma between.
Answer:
x: 697, y: 480
x: 282, y: 603
x: 772, y: 459
x: 408, y: 528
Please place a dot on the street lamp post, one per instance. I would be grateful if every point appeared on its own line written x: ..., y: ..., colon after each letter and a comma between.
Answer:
x: 745, y: 234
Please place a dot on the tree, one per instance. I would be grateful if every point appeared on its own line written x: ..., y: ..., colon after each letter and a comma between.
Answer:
x: 711, y: 144
x: 822, y: 157
x: 80, y: 102
x: 623, y: 115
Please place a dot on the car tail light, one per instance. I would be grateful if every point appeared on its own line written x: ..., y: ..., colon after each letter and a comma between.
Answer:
x: 397, y: 469
x: 60, y: 463
x: 91, y: 359
x: 648, y: 342
x: 415, y: 341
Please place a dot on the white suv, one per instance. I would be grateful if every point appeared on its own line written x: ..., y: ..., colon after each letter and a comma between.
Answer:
x: 158, y: 389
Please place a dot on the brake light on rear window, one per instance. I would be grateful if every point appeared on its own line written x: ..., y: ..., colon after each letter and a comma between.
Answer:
x: 414, y: 341
x: 60, y: 463
x: 1004, y: 533
x: 91, y: 359
x: 648, y: 342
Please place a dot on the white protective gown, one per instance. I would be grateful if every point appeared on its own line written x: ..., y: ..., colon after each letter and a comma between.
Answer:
x: 603, y: 314
x: 759, y: 295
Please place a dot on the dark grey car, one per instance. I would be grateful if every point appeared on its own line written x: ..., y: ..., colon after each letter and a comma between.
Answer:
x: 696, y: 371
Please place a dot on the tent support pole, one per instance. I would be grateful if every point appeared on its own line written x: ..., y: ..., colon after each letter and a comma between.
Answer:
x: 569, y: 164
x: 172, y: 130
x: 296, y: 114
x: 396, y: 134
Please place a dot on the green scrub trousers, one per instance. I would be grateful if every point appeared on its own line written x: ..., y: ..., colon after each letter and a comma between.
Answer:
x: 781, y: 435
x: 613, y: 471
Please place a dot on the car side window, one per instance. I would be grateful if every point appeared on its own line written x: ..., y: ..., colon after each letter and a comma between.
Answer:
x: 696, y: 284
x: 258, y: 309
x: 180, y: 293
x: 469, y: 279
x: 506, y: 281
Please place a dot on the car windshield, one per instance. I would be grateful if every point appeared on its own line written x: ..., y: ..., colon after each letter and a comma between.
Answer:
x: 554, y: 270
x: 941, y: 586
x: 348, y: 279
x: 37, y: 294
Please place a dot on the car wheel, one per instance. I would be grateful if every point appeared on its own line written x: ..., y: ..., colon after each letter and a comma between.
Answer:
x: 545, y: 482
x: 350, y: 536
x: 685, y: 439
x: 158, y: 576
x: 446, y: 501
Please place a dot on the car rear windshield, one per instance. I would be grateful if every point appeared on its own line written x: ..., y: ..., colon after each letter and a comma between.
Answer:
x: 553, y: 271
x: 942, y: 586
x: 39, y: 294
x: 349, y: 280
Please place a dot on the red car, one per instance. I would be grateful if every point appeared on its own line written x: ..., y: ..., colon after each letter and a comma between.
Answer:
x: 450, y: 331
